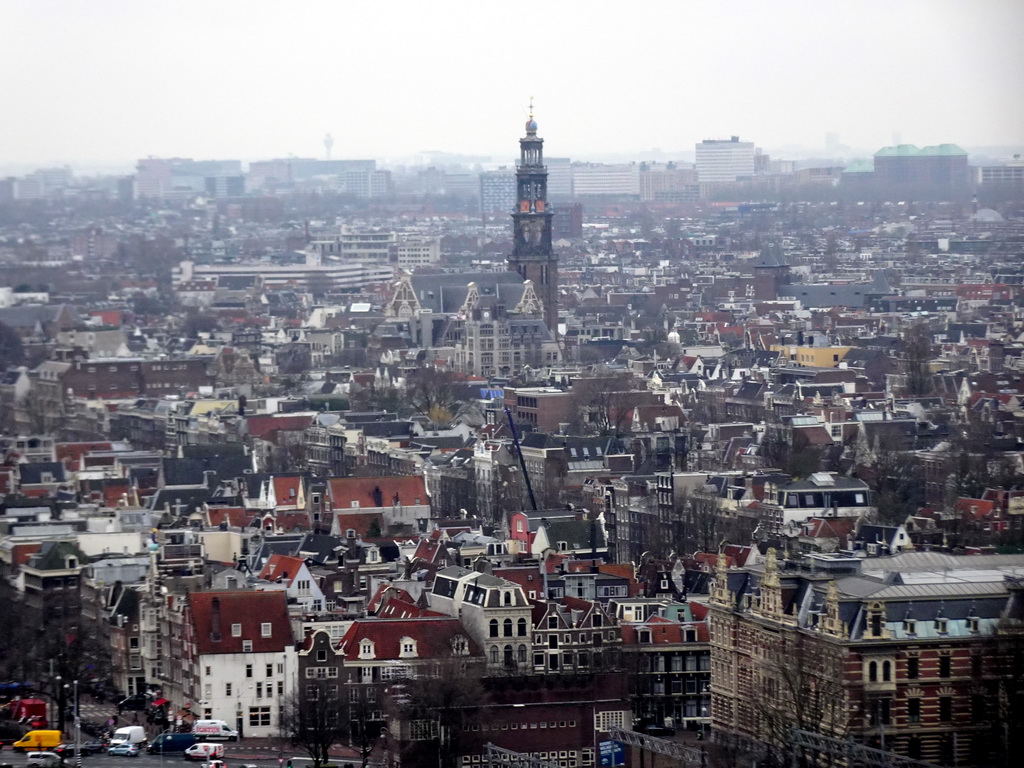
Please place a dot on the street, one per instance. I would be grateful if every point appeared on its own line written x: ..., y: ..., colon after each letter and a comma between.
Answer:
x: 235, y: 755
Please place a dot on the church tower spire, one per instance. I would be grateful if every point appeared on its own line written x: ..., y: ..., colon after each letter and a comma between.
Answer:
x: 532, y: 252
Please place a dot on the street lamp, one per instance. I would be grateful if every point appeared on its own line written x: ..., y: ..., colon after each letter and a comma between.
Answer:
x: 78, y: 722
x: 703, y: 722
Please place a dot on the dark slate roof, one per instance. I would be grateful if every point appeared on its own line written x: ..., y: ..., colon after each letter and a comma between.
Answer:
x: 189, y: 499
x: 387, y: 428
x: 576, y: 533
x: 32, y: 474
x: 447, y: 293
x: 190, y: 471
x: 321, y: 546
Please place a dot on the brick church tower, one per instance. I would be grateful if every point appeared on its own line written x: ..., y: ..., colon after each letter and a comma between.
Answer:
x: 532, y: 254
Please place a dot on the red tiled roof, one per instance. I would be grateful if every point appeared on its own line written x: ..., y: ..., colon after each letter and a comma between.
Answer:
x: 250, y: 610
x: 528, y: 578
x: 360, y: 522
x: 386, y: 590
x: 396, y: 608
x: 976, y: 508
x: 71, y: 453
x: 286, y: 488
x: 282, y: 567
x: 236, y: 517
x: 345, y: 490
x: 434, y: 637
x: 264, y: 424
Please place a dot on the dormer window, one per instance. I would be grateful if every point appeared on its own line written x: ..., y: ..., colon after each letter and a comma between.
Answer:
x: 942, y: 626
x: 72, y: 563
x: 973, y: 624
x: 910, y: 627
x: 643, y: 636
x: 407, y: 648
x: 552, y: 622
x: 366, y: 649
x: 563, y: 546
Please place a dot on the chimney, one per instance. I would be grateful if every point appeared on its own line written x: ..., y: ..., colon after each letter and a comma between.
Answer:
x: 215, y: 635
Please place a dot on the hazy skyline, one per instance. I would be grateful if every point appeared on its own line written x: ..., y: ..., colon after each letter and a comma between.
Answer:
x: 105, y: 82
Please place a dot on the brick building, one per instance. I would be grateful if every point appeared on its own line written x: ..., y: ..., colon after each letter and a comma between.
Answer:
x: 919, y: 653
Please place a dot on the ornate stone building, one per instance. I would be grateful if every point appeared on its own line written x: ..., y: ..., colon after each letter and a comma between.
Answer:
x: 901, y: 653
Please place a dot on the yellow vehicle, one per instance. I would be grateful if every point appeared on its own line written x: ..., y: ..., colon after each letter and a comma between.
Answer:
x: 37, y: 741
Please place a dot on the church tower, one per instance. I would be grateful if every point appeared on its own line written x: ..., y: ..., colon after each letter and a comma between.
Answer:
x: 532, y: 254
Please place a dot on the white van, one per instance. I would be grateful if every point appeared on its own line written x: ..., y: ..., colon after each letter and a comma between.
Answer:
x: 213, y: 730
x: 204, y: 751
x: 130, y: 734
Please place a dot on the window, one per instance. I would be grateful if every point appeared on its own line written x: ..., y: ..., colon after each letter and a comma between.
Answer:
x: 886, y: 671
x: 236, y: 630
x: 945, y: 666
x: 605, y: 720
x: 913, y: 668
x: 259, y: 717
x: 227, y: 689
x: 247, y: 646
x: 259, y: 690
x: 493, y: 628
x: 945, y: 708
x: 521, y: 628
x: 913, y: 710
x: 321, y: 655
x: 270, y: 670
x: 880, y: 712
x: 507, y: 628
x: 266, y: 629
x: 248, y: 670
x: 494, y: 654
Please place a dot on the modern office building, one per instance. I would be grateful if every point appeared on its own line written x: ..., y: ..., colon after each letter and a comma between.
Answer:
x: 497, y: 192
x: 598, y: 179
x: 725, y: 161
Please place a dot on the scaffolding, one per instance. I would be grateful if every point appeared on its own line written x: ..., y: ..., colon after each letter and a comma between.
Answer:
x: 684, y: 754
x: 506, y: 758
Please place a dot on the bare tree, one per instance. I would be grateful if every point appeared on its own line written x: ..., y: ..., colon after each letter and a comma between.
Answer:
x: 314, y: 721
x: 437, y: 704
x: 917, y: 352
x: 434, y: 393
x: 800, y: 687
x: 605, y: 402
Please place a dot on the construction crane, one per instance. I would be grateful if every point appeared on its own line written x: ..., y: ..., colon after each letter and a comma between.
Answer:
x: 522, y: 461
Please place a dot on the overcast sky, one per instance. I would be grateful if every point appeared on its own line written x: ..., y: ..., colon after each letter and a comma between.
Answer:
x: 102, y: 82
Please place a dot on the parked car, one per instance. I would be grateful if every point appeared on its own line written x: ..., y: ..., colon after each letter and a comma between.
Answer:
x: 43, y: 760
x: 128, y: 750
x: 657, y: 730
x: 93, y: 747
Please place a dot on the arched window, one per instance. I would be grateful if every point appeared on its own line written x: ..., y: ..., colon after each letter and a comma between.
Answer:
x: 886, y: 671
x: 522, y: 654
x: 494, y: 628
x: 494, y: 654
x: 873, y: 672
x: 521, y: 628
x: 509, y: 660
x: 507, y: 627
